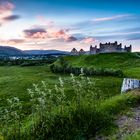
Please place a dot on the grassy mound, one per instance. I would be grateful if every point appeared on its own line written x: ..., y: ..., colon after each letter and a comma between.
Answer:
x: 111, y: 60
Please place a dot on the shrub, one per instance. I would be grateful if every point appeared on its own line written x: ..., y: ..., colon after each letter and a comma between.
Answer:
x: 67, y: 69
x: 34, y: 63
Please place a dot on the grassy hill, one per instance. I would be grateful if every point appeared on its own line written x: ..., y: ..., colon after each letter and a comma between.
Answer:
x: 128, y: 62
x: 9, y: 51
x: 73, y: 107
x: 110, y: 60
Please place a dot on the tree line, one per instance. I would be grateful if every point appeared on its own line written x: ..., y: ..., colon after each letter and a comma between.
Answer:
x: 26, y: 62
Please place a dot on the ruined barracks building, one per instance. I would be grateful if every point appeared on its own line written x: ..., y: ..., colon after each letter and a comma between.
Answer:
x: 103, y: 48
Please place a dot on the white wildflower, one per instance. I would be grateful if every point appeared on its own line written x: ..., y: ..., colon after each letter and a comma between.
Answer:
x: 61, y: 82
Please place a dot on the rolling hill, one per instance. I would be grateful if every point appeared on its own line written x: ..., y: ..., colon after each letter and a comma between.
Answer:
x: 110, y: 60
x: 129, y: 63
x: 6, y: 51
x: 9, y: 51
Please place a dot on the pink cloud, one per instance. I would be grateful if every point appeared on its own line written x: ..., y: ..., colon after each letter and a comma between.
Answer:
x: 6, y: 12
x: 15, y: 41
x: 39, y: 35
x: 62, y: 34
x: 51, y: 33
x: 89, y: 40
x: 59, y: 34
x: 12, y: 41
x: 6, y: 7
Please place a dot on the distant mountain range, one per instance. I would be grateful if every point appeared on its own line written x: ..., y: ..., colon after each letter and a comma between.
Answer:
x: 10, y: 51
x: 36, y: 52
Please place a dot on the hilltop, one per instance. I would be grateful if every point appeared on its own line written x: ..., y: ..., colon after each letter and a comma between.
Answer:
x: 108, y: 60
x: 7, y: 50
x: 128, y: 63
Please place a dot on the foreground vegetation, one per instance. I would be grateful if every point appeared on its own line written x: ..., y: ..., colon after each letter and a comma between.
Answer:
x: 62, y: 112
x: 70, y: 107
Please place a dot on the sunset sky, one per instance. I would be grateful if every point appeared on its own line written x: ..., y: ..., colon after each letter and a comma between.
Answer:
x: 64, y: 24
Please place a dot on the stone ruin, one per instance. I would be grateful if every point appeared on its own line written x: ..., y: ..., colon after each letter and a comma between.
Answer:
x: 103, y: 48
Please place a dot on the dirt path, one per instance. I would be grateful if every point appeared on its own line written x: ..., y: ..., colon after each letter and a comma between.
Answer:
x: 127, y: 124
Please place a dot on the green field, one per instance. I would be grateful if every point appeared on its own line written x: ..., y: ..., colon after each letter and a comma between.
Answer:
x: 15, y: 80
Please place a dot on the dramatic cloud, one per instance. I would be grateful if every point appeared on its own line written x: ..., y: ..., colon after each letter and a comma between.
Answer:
x: 63, y: 34
x: 38, y: 33
x: 41, y: 33
x: 6, y: 12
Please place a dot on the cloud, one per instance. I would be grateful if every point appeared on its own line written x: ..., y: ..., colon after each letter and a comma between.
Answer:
x: 16, y: 41
x: 11, y: 18
x: 89, y: 40
x: 42, y: 33
x: 12, y: 41
x: 106, y: 22
x: 6, y: 7
x: 6, y: 12
x: 71, y: 39
x: 109, y: 18
x: 36, y: 33
x: 59, y: 34
x: 63, y: 34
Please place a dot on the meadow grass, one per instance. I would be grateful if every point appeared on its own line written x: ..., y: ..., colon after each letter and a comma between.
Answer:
x: 59, y: 116
x: 56, y: 115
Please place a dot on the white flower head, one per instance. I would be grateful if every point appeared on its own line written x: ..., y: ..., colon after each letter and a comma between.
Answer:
x: 61, y: 82
x: 82, y: 71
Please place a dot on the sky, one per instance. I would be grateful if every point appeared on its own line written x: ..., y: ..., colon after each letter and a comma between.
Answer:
x: 65, y: 24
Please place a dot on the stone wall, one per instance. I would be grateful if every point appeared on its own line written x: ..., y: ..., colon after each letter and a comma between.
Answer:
x: 129, y: 84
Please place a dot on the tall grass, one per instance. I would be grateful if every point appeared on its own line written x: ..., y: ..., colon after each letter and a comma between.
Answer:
x: 69, y: 110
